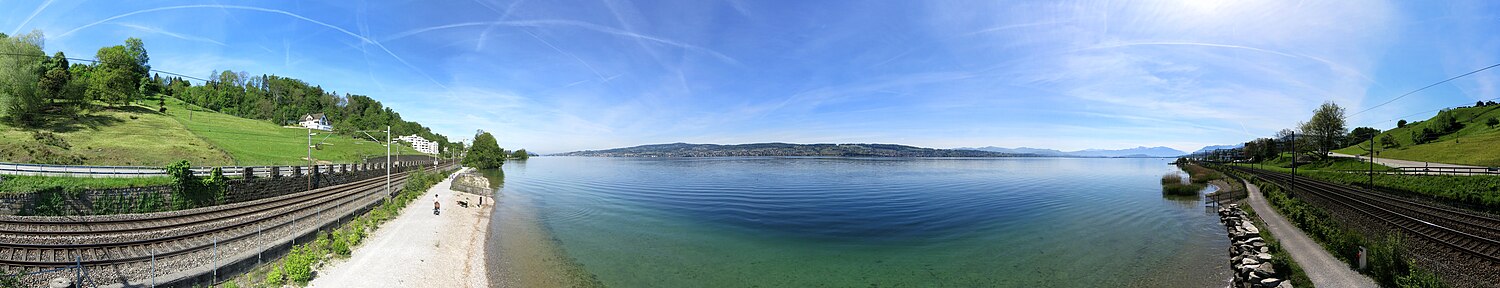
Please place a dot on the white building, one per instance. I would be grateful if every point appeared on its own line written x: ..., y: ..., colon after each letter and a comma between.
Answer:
x: 315, y: 121
x: 421, y: 144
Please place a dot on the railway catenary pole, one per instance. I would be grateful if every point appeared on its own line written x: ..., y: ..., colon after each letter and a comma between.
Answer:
x: 387, y: 162
x: 309, y: 158
x: 1291, y: 188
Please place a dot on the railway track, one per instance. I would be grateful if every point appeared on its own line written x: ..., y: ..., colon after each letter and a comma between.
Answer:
x: 95, y: 225
x: 126, y: 249
x: 1470, y: 233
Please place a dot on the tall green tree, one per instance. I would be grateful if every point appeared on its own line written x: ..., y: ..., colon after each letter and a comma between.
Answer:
x: 520, y: 154
x: 20, y: 71
x: 485, y: 153
x: 114, y: 79
x: 1326, y: 129
x: 54, y: 82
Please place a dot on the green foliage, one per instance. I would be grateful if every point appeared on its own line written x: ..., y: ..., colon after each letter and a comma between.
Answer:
x: 10, y: 280
x: 1362, y: 134
x: 191, y: 191
x: 25, y: 184
x: 1326, y: 128
x: 20, y: 71
x: 114, y: 79
x: 1416, y: 277
x: 255, y: 142
x: 485, y: 153
x: 275, y: 278
x: 230, y: 284
x: 520, y: 154
x: 1492, y: 122
x: 1401, y: 124
x: 299, y: 263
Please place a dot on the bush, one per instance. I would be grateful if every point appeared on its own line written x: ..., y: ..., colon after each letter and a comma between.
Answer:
x: 1492, y: 122
x: 274, y: 278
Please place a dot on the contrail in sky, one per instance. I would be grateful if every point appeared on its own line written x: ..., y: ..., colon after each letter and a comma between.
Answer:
x: 268, y: 10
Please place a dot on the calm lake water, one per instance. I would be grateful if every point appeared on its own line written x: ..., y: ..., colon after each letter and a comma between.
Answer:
x: 868, y: 222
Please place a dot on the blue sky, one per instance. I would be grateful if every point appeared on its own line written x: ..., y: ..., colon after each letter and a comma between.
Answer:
x: 556, y: 76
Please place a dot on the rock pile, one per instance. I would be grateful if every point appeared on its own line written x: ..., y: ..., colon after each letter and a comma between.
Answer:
x: 1249, y: 255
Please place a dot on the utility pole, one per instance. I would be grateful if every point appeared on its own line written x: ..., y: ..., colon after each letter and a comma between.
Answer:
x: 309, y: 158
x: 387, y: 162
x: 1372, y: 162
x: 1293, y: 186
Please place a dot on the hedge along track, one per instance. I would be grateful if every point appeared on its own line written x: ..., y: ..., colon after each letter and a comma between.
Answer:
x: 190, y: 249
x: 83, y: 225
x: 1429, y: 223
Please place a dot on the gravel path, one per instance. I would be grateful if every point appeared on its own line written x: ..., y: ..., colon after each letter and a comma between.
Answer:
x: 418, y: 249
x: 1320, y: 266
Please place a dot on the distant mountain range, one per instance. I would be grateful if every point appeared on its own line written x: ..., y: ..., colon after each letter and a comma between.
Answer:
x: 785, y: 149
x: 1137, y: 152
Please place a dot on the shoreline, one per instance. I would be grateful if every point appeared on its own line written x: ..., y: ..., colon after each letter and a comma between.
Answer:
x: 418, y: 249
x: 522, y: 252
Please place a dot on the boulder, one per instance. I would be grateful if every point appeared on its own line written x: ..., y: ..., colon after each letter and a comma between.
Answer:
x: 1270, y: 282
x: 1263, y: 257
x: 1265, y: 270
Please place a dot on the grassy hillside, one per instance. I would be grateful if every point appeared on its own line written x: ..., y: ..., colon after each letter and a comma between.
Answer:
x: 130, y: 135
x: 1473, y: 144
x: 256, y: 142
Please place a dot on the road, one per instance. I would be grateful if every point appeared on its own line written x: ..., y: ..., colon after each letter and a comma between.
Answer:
x: 1321, y: 267
x: 1403, y: 163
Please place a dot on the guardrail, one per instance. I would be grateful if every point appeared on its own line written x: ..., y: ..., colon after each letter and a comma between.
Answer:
x: 1459, y: 171
x: 232, y: 171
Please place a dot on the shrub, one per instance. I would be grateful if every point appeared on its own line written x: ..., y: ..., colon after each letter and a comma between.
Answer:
x: 1492, y: 122
x: 274, y: 278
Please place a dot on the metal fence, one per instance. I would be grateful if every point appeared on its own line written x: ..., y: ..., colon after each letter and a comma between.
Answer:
x: 143, y: 171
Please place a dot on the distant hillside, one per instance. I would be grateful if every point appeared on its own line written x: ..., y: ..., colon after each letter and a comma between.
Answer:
x: 1217, y: 147
x: 1138, y: 152
x: 783, y: 149
x: 1018, y: 150
x: 1469, y: 139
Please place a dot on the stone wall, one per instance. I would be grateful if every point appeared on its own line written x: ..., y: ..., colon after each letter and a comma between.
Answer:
x: 1250, y: 255
x: 128, y: 200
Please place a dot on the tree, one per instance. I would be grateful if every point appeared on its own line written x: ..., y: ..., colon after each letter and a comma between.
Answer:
x: 485, y: 153
x: 114, y: 80
x: 137, y: 50
x: 1492, y: 122
x: 520, y: 154
x: 20, y: 72
x: 1389, y: 141
x: 1326, y: 128
x: 1361, y: 134
x: 54, y: 82
x: 1401, y: 124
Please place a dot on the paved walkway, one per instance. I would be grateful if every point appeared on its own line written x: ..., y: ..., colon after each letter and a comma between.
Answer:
x: 1320, y: 266
x: 1402, y: 163
x: 418, y: 249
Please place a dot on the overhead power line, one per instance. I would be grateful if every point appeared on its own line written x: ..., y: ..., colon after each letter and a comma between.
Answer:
x: 1425, y: 88
x: 99, y: 62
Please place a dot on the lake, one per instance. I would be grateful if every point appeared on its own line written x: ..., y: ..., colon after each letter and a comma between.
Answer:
x: 870, y: 222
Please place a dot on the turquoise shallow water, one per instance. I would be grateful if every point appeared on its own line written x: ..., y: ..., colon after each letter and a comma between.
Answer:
x: 876, y: 222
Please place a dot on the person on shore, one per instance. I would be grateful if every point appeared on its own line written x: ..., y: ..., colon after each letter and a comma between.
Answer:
x: 435, y: 206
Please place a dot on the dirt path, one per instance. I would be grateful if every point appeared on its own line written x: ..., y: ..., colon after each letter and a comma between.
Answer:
x: 418, y: 249
x: 1322, y: 268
